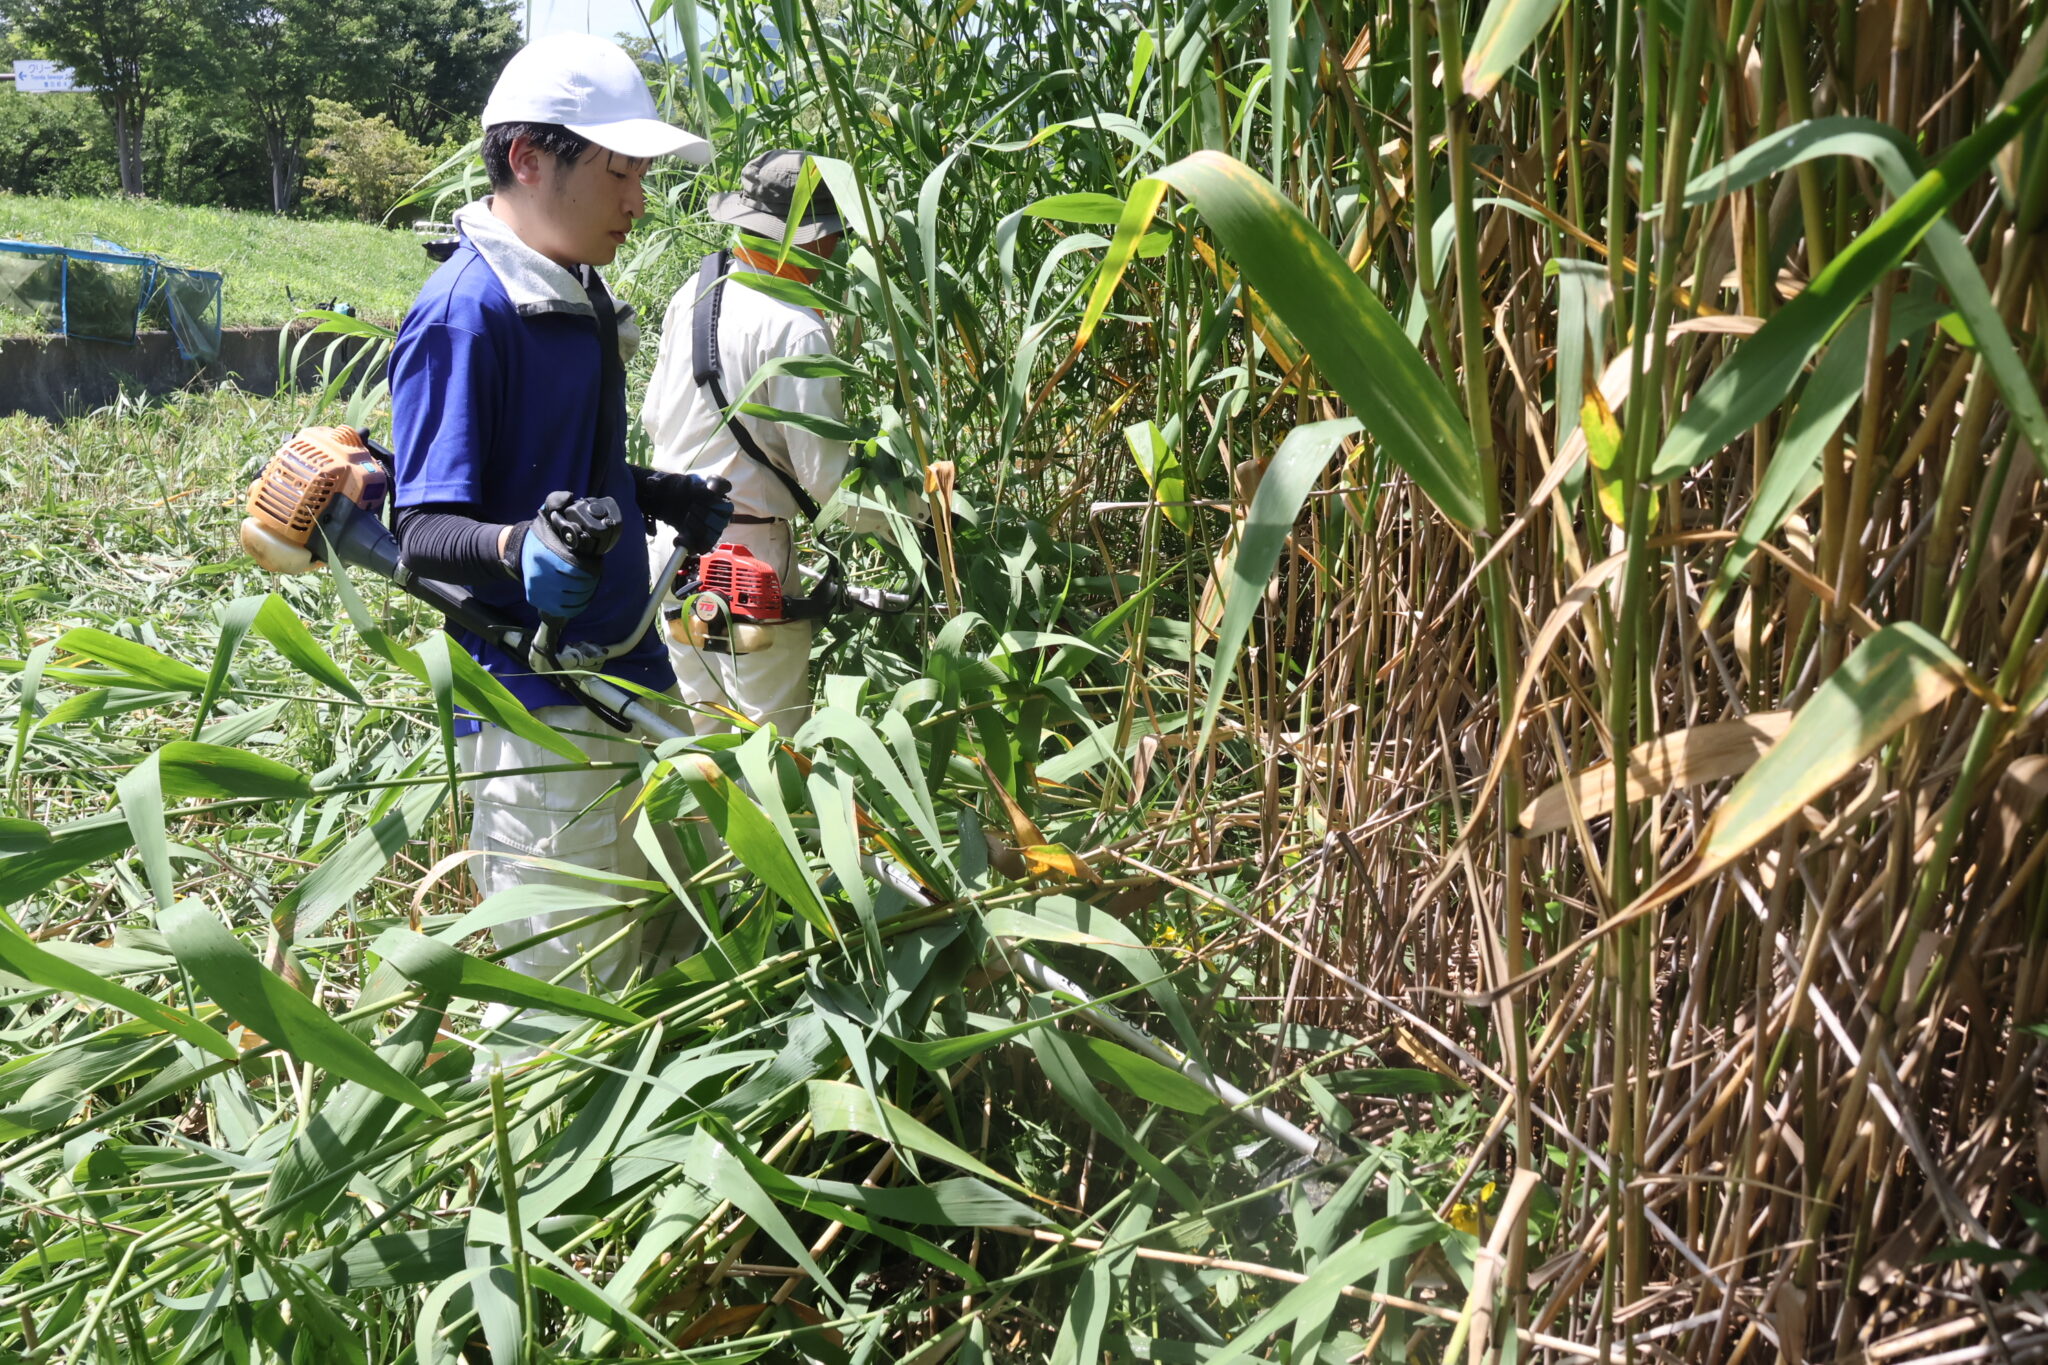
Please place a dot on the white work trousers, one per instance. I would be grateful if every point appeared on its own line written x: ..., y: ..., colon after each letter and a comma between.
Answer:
x: 567, y: 817
x: 771, y: 685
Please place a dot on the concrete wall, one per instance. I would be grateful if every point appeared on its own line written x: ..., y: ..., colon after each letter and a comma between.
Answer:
x: 60, y: 377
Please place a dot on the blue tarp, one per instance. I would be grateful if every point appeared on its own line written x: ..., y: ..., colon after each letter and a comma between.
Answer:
x: 104, y: 293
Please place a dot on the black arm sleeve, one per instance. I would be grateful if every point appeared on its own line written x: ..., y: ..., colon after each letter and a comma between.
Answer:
x: 440, y: 540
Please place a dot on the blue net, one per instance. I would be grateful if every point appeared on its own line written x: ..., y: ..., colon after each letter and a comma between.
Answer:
x: 108, y: 293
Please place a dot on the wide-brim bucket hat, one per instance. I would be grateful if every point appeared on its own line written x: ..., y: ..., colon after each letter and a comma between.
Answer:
x: 767, y: 190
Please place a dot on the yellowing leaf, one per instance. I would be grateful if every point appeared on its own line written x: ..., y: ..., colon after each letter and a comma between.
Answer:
x: 1603, y: 449
x: 1041, y: 859
x: 1209, y: 607
x: 1286, y: 348
x: 1023, y: 830
x: 1161, y: 467
x: 1603, y: 433
x: 1892, y: 679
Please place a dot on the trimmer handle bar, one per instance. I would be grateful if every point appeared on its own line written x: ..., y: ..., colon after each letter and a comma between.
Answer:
x: 579, y: 529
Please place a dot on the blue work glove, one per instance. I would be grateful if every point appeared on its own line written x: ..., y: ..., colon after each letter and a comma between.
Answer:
x: 555, y: 582
x: 695, y: 504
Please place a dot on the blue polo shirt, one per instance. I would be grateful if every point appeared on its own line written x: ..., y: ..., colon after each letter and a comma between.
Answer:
x: 498, y: 410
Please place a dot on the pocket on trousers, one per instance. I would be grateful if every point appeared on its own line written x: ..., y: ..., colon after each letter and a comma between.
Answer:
x: 591, y: 839
x: 548, y: 833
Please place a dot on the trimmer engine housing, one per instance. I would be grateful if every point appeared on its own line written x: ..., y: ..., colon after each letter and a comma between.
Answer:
x: 749, y: 589
x: 298, y: 487
x: 734, y: 598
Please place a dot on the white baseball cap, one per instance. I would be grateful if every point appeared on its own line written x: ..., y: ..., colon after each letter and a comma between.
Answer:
x: 591, y: 87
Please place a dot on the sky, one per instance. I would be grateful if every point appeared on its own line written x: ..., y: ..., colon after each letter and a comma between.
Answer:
x: 605, y: 18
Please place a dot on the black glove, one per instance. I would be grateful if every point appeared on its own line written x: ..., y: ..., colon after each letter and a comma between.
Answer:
x: 695, y: 504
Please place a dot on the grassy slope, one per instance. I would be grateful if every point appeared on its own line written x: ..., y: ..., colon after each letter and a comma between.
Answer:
x: 376, y: 269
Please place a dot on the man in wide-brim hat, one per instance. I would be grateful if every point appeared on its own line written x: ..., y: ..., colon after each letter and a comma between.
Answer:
x: 777, y: 472
x: 767, y: 191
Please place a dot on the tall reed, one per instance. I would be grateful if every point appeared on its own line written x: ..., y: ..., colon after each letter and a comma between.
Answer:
x: 1359, y: 431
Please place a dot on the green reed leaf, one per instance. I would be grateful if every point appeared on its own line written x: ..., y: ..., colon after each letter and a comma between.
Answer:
x: 1315, y: 1299
x: 756, y: 842
x: 1751, y: 383
x: 340, y: 1136
x: 1506, y: 32
x: 23, y: 957
x: 265, y: 1004
x: 19, y: 836
x: 235, y: 621
x: 1114, y: 1064
x: 212, y: 772
x: 1347, y: 330
x: 142, y: 805
x: 68, y: 848
x: 1296, y: 466
x: 442, y: 970
x: 335, y: 882
x: 138, y: 661
x: 837, y: 1107
x: 1094, y: 209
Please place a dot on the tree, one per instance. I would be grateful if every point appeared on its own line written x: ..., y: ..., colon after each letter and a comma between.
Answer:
x: 129, y: 51
x: 54, y: 144
x: 438, y: 60
x: 202, y: 149
x: 277, y: 58
x: 367, y: 162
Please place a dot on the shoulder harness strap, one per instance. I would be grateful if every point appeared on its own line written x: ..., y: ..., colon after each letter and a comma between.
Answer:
x: 611, y: 391
x: 709, y: 372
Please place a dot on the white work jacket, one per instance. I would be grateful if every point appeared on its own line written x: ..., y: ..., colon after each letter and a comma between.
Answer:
x: 687, y: 429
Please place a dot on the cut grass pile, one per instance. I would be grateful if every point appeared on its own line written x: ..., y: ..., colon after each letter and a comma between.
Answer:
x: 126, y: 519
x: 378, y: 270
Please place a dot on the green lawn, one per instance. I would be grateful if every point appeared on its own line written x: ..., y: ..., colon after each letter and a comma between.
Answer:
x: 376, y: 269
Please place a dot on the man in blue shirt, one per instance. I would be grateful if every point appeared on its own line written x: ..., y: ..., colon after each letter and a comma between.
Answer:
x: 507, y: 386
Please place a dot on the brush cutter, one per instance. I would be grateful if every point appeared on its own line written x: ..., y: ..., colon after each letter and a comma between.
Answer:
x: 327, y: 487
x: 735, y: 598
